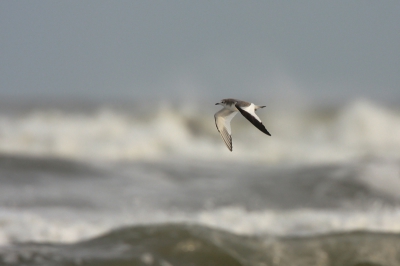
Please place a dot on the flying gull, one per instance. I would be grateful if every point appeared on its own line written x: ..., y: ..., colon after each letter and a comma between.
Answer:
x: 224, y: 116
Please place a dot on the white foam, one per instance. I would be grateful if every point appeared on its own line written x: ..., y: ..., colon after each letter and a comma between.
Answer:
x: 368, y: 129
x: 360, y: 130
x: 27, y: 226
x: 18, y: 227
x: 301, y: 222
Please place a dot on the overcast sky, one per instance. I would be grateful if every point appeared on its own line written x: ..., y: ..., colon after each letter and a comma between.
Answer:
x: 284, y: 50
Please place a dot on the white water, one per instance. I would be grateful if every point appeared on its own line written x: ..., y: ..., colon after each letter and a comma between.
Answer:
x: 30, y: 226
x: 360, y: 130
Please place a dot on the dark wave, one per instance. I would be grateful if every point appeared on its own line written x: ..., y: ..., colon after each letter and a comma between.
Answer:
x: 178, y: 244
x: 20, y: 165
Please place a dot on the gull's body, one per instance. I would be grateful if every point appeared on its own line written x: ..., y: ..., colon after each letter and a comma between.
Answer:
x: 231, y: 107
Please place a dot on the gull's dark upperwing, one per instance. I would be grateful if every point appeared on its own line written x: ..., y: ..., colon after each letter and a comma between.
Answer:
x: 258, y: 124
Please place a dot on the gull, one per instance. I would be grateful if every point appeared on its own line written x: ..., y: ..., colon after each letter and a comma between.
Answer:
x: 231, y: 107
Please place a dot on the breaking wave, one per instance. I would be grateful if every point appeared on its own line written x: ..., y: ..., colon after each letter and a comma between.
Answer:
x: 360, y: 130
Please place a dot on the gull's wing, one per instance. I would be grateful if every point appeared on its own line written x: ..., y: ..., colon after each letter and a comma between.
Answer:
x: 223, y: 122
x: 250, y: 114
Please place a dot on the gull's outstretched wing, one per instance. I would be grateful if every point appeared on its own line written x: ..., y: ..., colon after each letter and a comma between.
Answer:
x: 250, y: 114
x: 223, y: 122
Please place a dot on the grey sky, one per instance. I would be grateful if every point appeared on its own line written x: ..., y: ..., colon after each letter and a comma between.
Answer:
x: 284, y: 50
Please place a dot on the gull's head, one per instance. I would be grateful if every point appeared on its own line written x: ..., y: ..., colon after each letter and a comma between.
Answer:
x: 222, y: 102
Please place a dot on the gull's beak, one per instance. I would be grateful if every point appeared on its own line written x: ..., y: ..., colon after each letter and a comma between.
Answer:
x: 217, y: 103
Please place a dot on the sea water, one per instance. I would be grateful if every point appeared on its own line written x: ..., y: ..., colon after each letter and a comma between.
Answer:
x: 132, y: 185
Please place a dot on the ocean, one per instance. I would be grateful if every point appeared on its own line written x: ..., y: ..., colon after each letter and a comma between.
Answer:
x: 120, y: 184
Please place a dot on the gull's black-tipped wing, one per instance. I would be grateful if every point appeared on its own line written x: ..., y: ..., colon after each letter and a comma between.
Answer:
x: 250, y: 115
